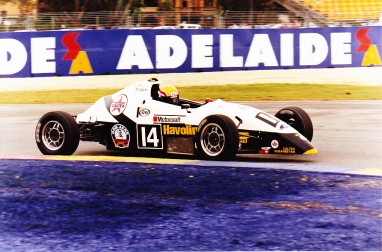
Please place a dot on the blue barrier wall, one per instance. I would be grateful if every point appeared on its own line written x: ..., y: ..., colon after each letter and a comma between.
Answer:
x: 95, y: 52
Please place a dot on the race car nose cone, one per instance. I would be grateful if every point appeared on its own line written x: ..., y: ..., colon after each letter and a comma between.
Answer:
x: 311, y: 151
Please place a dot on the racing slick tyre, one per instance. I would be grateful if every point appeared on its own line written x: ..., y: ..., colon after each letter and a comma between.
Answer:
x: 57, y: 133
x: 217, y: 138
x: 298, y: 119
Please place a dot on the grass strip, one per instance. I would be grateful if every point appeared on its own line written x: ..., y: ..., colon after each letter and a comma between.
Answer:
x: 231, y: 92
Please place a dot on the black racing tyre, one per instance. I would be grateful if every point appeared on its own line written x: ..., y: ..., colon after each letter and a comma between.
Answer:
x: 57, y: 133
x: 298, y: 119
x: 217, y: 138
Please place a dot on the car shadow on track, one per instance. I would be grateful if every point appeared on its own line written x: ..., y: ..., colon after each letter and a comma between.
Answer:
x: 252, y: 158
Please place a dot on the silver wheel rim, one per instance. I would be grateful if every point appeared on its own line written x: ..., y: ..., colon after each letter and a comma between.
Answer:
x: 212, y: 139
x: 53, y: 135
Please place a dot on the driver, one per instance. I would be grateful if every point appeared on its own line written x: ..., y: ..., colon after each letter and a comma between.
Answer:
x: 169, y: 94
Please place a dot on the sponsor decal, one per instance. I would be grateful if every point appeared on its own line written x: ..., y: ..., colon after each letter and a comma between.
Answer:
x: 119, y: 104
x: 143, y: 112
x: 167, y: 119
x: 140, y: 88
x: 264, y: 150
x: 120, y: 135
x: 275, y: 144
x: 187, y: 130
x: 243, y: 137
x: 286, y: 150
x: 283, y: 126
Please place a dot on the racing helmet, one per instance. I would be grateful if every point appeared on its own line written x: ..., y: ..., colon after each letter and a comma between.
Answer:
x: 168, y: 93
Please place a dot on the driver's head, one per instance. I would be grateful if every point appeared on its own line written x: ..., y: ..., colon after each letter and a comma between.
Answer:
x: 169, y: 94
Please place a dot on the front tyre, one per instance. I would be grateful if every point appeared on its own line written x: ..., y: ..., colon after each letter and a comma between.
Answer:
x: 217, y: 138
x: 298, y: 119
x: 57, y: 133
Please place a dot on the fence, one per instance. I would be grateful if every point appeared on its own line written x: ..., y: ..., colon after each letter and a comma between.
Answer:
x: 207, y: 19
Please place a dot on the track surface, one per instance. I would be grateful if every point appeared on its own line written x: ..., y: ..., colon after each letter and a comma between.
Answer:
x: 347, y: 134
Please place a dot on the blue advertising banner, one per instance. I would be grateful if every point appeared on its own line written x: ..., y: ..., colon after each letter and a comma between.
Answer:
x: 96, y: 52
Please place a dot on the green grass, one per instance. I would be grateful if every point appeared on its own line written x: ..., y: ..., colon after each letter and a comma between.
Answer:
x: 260, y: 92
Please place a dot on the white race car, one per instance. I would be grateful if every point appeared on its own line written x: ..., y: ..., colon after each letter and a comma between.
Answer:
x: 134, y: 119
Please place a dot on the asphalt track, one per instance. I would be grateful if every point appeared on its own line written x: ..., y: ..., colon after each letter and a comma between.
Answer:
x: 347, y: 134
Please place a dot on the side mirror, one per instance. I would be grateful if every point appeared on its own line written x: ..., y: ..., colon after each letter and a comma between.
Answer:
x: 186, y: 106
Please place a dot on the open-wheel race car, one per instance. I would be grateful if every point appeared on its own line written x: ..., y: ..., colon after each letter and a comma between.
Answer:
x: 150, y: 116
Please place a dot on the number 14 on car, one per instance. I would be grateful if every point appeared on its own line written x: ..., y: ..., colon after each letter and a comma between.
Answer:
x: 149, y: 137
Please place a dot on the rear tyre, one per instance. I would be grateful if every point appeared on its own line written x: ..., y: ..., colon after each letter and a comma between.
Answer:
x: 217, y: 139
x: 57, y: 133
x: 298, y: 119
